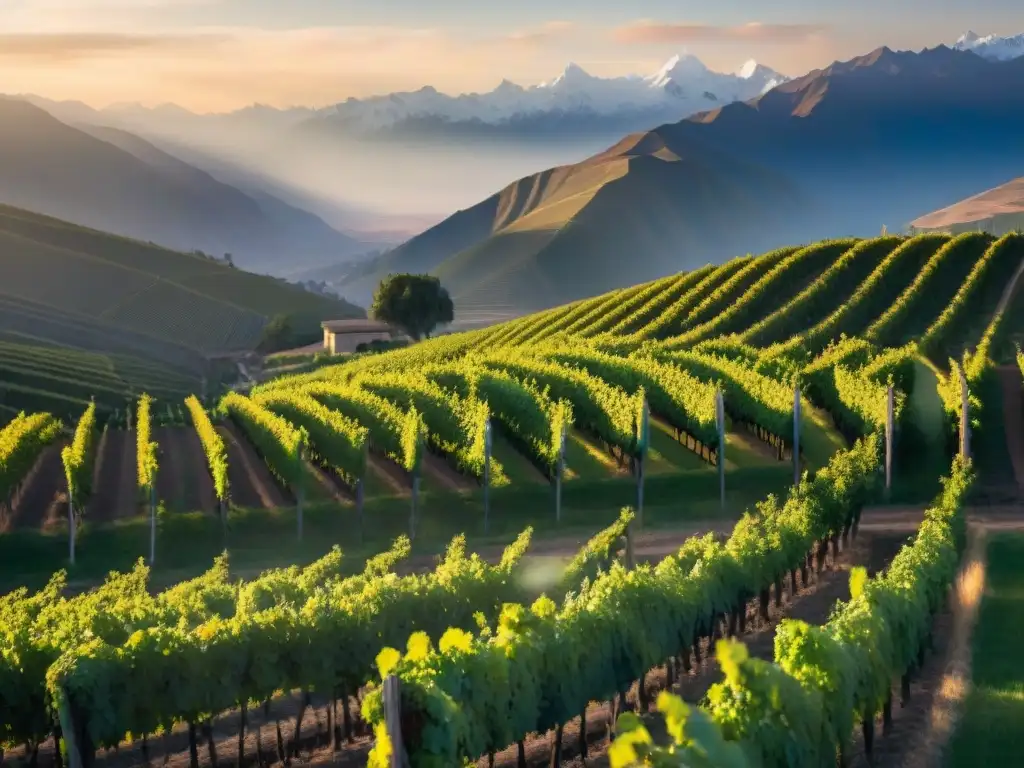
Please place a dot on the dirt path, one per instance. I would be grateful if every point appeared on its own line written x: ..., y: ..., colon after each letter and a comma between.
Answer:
x: 128, y: 482
x: 252, y: 485
x: 439, y: 472
x: 920, y: 732
x: 391, y: 475
x: 170, y: 480
x: 43, y: 497
x: 114, y: 477
x: 1013, y: 417
x: 197, y: 473
x: 331, y: 484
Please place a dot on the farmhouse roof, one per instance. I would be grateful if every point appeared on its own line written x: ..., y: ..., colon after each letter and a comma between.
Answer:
x: 359, y: 325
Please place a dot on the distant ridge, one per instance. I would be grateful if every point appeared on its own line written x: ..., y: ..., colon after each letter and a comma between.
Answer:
x: 838, y: 151
x: 118, y: 182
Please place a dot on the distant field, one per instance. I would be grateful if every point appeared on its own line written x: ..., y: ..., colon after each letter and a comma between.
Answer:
x: 36, y: 377
x: 154, y: 316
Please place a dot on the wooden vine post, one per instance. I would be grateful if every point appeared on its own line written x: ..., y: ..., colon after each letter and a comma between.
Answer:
x: 643, y: 438
x: 487, y: 477
x: 796, y: 435
x: 71, y: 523
x: 414, y: 501
x: 222, y: 511
x: 720, y: 419
x: 889, y: 437
x: 965, y: 423
x: 559, y: 473
x: 152, y: 521
x: 69, y: 732
x: 300, y: 486
x: 361, y: 487
x: 393, y: 721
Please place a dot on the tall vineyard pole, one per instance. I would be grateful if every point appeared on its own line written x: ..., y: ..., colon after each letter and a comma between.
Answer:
x: 393, y: 722
x: 487, y: 476
x: 71, y: 522
x: 644, y: 438
x: 796, y: 435
x: 152, y: 523
x: 559, y: 473
x: 361, y: 487
x: 889, y: 436
x: 720, y: 420
x: 965, y: 424
x: 414, y: 501
x: 300, y: 486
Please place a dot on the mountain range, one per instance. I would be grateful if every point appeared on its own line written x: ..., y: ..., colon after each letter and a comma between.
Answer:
x: 992, y: 46
x: 573, y: 102
x: 682, y: 86
x: 843, y: 150
x: 112, y: 180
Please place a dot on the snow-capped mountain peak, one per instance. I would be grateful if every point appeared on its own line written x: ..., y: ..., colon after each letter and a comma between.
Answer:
x: 749, y: 69
x: 681, y: 87
x: 992, y: 47
x: 678, y: 69
x: 572, y: 76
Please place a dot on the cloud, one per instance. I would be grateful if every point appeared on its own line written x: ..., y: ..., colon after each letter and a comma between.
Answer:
x: 217, y: 68
x: 648, y: 32
x: 546, y: 33
x: 63, y: 47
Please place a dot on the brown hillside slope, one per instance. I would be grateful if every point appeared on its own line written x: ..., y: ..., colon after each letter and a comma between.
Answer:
x: 998, y: 211
x: 642, y: 209
x: 870, y: 141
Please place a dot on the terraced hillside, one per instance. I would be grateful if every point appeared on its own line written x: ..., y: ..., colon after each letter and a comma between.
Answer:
x: 837, y: 320
x: 144, y: 316
x: 590, y: 403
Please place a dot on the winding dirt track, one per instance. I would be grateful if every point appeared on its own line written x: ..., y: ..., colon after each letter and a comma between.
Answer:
x: 252, y: 485
x: 331, y: 484
x: 439, y: 472
x: 204, y: 495
x: 183, y: 482
x: 170, y: 482
x: 391, y: 475
x: 43, y: 497
x: 115, y: 479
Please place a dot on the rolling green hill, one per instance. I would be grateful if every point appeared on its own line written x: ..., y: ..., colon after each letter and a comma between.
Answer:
x: 842, y: 318
x: 143, y: 309
x: 837, y: 319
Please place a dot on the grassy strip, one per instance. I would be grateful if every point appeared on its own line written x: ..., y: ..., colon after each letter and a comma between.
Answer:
x: 261, y: 538
x: 989, y: 730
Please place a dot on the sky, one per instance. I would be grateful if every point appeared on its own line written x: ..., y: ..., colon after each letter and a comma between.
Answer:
x: 217, y: 55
